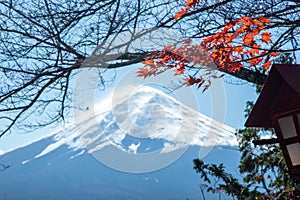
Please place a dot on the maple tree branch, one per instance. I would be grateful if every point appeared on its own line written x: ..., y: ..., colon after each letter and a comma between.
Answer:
x: 265, y: 141
x: 248, y: 75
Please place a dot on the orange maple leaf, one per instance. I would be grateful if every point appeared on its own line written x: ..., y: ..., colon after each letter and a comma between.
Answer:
x: 207, y: 40
x: 248, y: 39
x: 179, y: 71
x: 191, y: 3
x: 266, y: 37
x: 238, y: 49
x: 267, y: 65
x: 273, y: 54
x: 255, y: 61
x: 179, y: 14
x: 148, y: 62
x: 254, y: 52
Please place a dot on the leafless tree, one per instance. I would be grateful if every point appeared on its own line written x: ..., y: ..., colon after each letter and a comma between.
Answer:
x: 43, y: 44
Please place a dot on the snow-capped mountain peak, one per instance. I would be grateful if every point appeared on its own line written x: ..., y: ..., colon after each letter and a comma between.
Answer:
x: 148, y: 116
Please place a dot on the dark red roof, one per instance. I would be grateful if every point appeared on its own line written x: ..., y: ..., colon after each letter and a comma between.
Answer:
x: 281, y: 94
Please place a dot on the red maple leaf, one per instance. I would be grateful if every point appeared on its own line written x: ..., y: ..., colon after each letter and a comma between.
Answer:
x: 143, y: 72
x: 179, y: 71
x: 273, y: 54
x: 192, y: 80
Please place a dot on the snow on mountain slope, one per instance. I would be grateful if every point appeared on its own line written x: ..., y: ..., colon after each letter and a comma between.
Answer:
x: 148, y: 128
x: 149, y: 114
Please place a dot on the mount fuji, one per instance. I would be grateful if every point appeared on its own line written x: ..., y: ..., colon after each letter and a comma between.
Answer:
x: 140, y: 148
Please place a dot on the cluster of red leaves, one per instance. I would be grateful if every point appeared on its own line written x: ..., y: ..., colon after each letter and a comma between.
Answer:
x: 237, y: 44
x: 233, y: 47
x: 181, y: 59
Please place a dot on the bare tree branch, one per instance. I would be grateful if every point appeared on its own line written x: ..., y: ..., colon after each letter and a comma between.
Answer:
x: 43, y: 44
